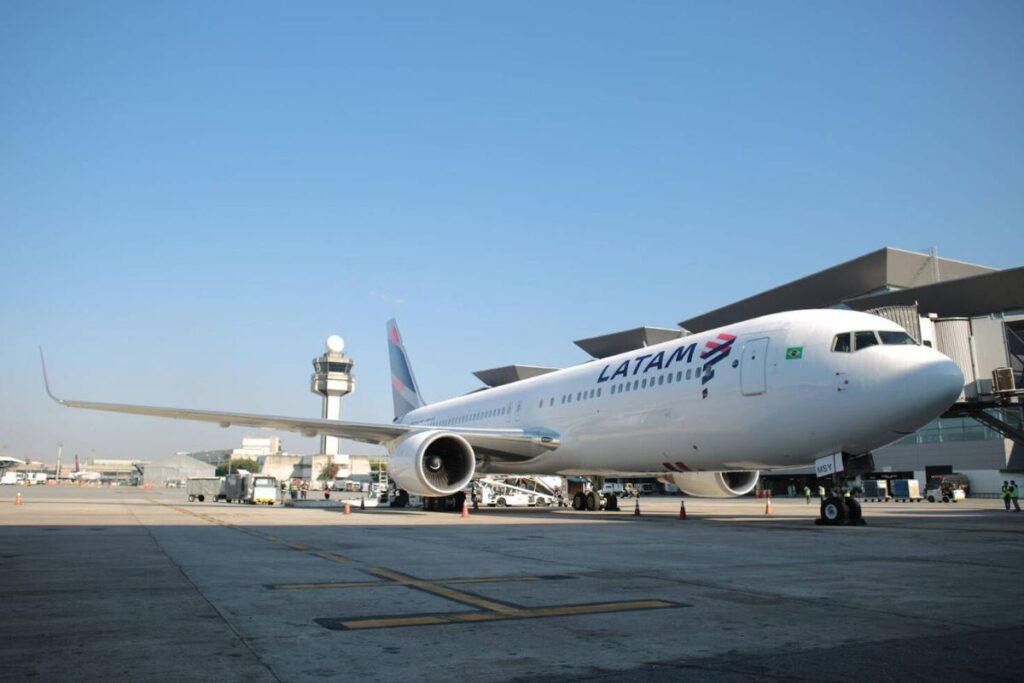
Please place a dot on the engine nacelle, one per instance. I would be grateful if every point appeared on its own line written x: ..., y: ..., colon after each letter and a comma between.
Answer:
x: 713, y: 484
x: 432, y: 463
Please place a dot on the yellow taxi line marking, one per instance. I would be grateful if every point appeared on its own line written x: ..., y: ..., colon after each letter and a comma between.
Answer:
x: 444, y: 592
x: 477, y: 617
x: 376, y: 584
x: 255, y: 533
x: 332, y: 584
x: 333, y: 557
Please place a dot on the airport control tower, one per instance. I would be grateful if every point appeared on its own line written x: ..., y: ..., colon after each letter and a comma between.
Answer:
x: 332, y: 378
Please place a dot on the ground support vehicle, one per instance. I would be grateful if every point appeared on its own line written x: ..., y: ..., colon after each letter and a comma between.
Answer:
x: 945, y: 495
x: 262, y: 490
x: 361, y: 490
x: 510, y: 492
x: 204, y: 489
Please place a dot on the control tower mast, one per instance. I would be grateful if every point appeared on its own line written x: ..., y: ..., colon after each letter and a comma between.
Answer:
x: 332, y: 378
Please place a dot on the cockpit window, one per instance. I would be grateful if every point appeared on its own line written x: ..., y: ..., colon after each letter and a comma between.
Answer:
x: 841, y: 343
x: 865, y: 339
x: 896, y: 338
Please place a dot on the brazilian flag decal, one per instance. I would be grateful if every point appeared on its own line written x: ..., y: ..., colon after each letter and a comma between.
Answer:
x: 794, y: 353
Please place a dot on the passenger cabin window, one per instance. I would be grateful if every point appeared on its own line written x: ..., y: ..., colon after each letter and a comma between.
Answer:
x: 896, y: 338
x: 841, y: 343
x: 865, y: 339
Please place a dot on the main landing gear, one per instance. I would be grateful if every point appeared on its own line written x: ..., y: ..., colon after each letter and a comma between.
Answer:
x: 593, y: 501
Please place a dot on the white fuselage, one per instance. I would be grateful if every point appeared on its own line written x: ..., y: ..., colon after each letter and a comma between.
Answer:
x: 765, y: 393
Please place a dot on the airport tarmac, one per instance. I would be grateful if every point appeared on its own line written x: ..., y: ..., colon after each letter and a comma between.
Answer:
x: 141, y: 585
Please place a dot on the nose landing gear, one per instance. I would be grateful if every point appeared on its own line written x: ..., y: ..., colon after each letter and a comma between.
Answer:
x: 837, y: 510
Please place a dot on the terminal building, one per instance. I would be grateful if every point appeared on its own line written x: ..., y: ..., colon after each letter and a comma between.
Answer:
x: 972, y: 313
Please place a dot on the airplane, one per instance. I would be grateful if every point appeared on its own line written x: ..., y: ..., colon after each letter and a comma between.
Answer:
x: 82, y: 475
x: 706, y: 412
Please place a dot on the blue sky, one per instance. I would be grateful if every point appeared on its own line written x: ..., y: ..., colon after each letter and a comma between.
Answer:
x: 193, y: 195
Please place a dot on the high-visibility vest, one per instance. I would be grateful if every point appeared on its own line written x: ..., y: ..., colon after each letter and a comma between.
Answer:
x: 1014, y: 492
x: 1005, y: 490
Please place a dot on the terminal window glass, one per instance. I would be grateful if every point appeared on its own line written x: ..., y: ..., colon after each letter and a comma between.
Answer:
x: 865, y: 339
x: 895, y: 338
x: 841, y: 343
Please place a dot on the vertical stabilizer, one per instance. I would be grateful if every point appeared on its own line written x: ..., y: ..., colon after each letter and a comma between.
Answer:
x: 404, y: 389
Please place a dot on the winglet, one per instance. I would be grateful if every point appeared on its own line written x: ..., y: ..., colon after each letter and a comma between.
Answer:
x: 46, y: 379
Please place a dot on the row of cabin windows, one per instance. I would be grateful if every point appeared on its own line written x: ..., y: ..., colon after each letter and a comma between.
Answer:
x: 634, y: 385
x: 568, y: 398
x: 848, y: 342
x: 650, y: 383
x: 471, y: 417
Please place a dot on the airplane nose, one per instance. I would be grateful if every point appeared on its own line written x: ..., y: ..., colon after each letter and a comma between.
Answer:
x: 937, y: 380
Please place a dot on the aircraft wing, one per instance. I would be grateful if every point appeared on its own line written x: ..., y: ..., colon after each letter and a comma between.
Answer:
x: 510, y: 445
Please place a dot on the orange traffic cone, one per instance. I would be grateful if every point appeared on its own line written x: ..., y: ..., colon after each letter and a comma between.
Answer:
x: 768, y: 506
x: 682, y: 509
x: 17, y: 498
x: 465, y: 508
x: 636, y: 510
x: 348, y: 508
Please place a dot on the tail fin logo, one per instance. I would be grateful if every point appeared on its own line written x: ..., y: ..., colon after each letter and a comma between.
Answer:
x: 404, y: 390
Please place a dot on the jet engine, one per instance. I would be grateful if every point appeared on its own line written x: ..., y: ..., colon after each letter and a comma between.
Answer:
x: 713, y: 484
x: 432, y: 463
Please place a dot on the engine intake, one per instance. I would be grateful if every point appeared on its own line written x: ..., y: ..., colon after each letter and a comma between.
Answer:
x: 432, y: 463
x: 713, y: 484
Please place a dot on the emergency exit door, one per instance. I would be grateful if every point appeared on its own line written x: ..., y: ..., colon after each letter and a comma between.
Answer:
x: 753, y: 367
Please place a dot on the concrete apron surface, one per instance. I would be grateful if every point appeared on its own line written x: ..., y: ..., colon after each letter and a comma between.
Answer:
x: 142, y: 585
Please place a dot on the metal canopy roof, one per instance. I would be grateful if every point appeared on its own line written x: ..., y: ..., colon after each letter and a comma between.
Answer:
x: 495, y: 377
x: 627, y: 340
x: 995, y: 292
x: 870, y: 276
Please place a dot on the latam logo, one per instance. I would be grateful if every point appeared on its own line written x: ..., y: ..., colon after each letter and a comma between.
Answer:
x: 715, y: 350
x: 713, y: 353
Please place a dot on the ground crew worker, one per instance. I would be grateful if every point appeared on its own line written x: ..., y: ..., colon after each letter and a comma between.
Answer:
x: 1006, y: 494
x: 807, y: 494
x: 1015, y: 495
x: 821, y: 491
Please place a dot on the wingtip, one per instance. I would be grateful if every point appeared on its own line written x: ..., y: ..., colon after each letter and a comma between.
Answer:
x: 46, y: 378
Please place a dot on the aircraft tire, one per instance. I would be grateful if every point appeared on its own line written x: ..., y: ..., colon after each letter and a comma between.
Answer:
x: 833, y: 510
x: 593, y: 501
x: 853, y: 511
x: 191, y: 499
x: 579, y: 501
x: 612, y: 503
